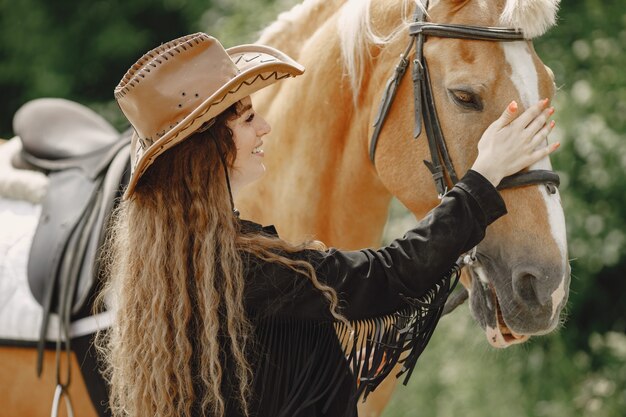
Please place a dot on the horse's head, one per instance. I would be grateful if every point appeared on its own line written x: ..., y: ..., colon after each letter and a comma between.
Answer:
x: 520, y: 281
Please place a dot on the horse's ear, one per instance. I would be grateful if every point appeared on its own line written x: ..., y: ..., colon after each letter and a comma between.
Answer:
x: 534, y: 17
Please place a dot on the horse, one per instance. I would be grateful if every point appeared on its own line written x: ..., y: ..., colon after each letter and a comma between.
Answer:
x: 320, y: 148
x: 321, y: 183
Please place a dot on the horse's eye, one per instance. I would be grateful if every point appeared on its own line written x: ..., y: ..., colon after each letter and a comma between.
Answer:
x: 467, y: 99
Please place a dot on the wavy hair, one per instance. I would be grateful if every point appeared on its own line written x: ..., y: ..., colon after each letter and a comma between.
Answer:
x: 176, y: 281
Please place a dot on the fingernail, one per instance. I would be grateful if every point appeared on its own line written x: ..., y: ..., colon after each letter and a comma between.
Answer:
x: 513, y: 106
x: 552, y: 123
x: 556, y: 145
x: 550, y: 111
x: 545, y: 101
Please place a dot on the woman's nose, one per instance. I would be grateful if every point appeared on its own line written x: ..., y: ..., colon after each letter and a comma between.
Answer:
x: 264, y: 127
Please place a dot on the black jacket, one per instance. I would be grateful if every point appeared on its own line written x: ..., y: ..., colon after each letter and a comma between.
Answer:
x: 304, y: 362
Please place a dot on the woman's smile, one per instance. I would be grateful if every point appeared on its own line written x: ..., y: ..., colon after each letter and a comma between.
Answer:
x: 258, y: 151
x: 248, y: 129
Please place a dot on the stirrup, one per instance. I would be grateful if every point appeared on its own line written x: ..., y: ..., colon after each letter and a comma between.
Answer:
x: 61, y: 391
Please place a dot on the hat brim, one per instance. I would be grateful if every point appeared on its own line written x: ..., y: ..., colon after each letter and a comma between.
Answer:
x: 260, y: 67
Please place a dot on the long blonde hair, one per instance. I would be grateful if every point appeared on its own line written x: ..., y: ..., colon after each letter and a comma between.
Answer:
x: 176, y: 281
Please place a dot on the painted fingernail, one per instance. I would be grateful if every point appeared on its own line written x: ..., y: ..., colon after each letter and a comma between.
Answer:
x: 513, y: 106
x: 545, y: 101
x: 552, y: 123
x: 550, y: 111
x: 556, y: 145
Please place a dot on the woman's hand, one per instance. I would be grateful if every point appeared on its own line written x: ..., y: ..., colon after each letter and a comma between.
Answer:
x: 514, y: 142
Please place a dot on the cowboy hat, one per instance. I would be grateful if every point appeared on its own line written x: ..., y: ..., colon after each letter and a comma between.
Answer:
x: 174, y: 89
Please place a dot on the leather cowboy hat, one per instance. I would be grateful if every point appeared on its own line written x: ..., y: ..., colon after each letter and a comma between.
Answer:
x: 174, y: 89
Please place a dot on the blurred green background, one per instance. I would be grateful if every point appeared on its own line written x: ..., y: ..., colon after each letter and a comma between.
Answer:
x: 79, y: 50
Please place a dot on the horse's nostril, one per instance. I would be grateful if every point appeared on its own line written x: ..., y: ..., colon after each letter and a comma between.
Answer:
x: 524, y: 287
x: 531, y: 289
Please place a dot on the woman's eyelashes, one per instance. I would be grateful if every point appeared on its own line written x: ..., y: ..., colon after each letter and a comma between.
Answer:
x: 250, y: 118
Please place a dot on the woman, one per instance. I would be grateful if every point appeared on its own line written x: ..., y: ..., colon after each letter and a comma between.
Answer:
x: 217, y: 316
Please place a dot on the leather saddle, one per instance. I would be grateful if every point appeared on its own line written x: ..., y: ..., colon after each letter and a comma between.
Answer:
x: 88, y: 165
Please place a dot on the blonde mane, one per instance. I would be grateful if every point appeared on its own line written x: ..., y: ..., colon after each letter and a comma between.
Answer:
x: 356, y: 34
x: 534, y: 17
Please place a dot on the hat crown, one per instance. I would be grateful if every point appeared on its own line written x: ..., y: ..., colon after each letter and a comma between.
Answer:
x: 169, y: 82
x: 174, y: 89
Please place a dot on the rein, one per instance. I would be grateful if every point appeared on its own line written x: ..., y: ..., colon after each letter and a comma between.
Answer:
x: 440, y: 162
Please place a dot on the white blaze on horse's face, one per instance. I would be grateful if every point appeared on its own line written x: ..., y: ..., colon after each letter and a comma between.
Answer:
x: 531, y: 290
x: 524, y: 77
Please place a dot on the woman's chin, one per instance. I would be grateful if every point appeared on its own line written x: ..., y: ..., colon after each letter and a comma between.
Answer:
x: 260, y: 173
x: 256, y: 176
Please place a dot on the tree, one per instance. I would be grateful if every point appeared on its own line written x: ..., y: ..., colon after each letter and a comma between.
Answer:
x: 79, y: 50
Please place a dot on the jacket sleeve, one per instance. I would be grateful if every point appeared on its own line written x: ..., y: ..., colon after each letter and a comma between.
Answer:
x: 370, y: 282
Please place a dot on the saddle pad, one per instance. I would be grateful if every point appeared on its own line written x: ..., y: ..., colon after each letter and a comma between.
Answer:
x: 20, y: 314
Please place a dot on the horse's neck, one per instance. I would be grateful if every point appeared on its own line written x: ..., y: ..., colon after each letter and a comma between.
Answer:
x: 293, y: 28
x: 320, y: 183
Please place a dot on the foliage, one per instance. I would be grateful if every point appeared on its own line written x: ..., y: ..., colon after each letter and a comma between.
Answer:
x: 241, y: 21
x: 79, y: 50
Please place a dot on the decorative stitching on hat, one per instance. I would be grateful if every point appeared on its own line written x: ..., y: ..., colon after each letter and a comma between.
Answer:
x: 189, y: 123
x: 246, y: 82
x: 252, y: 59
x: 264, y: 58
x: 151, y: 58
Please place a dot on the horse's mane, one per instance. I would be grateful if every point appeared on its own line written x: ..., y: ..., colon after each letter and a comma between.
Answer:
x: 356, y: 34
x: 534, y: 17
x: 293, y: 28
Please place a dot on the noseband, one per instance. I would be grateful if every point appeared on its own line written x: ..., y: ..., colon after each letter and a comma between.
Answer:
x: 424, y: 103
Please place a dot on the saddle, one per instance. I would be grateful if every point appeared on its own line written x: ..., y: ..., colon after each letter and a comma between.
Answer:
x: 87, y: 163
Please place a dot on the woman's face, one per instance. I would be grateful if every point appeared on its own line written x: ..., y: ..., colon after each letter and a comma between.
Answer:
x: 248, y: 130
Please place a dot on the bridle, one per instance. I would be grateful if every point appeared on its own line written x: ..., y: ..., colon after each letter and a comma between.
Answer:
x: 424, y: 106
x: 424, y: 103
